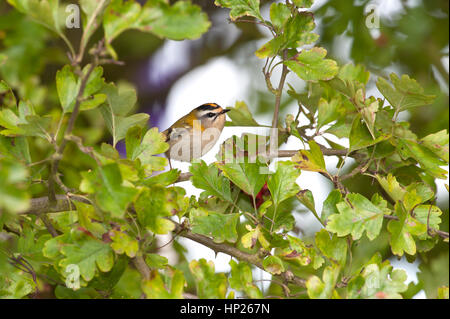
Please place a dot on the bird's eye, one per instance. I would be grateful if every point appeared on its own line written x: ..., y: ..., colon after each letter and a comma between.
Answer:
x: 211, y: 114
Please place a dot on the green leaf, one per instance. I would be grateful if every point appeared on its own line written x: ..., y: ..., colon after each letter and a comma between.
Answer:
x: 303, y: 3
x: 179, y: 21
x: 310, y: 65
x: 273, y: 265
x: 8, y: 99
x: 378, y: 281
x: 208, y: 283
x: 88, y: 254
x: 405, y: 94
x: 152, y: 208
x: 301, y: 254
x: 240, y: 8
x: 123, y: 243
x: 350, y: 72
x: 68, y: 86
x: 282, y: 184
x: 325, y: 288
x: 221, y: 227
x: 247, y: 176
x: 333, y: 247
x: 240, y: 115
x: 208, y: 178
x: 311, y: 160
x: 360, y: 136
x: 155, y: 287
x: 279, y: 14
x: 297, y: 32
x: 152, y: 144
x: 306, y: 197
x: 356, y: 216
x: 241, y: 279
x: 46, y: 12
x: 328, y: 111
x: 437, y: 143
x: 401, y: 231
x: 119, y: 102
x: 162, y: 179
x: 156, y: 261
x: 329, y: 205
x: 14, y: 197
x: 427, y: 159
x: 106, y: 183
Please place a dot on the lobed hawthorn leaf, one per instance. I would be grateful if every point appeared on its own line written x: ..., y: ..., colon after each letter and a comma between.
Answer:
x: 240, y: 115
x: 24, y: 122
x: 209, y: 179
x: 273, y: 265
x: 311, y: 160
x: 119, y: 102
x: 310, y: 65
x: 296, y: 33
x: 45, y: 12
x: 247, y: 176
x: 123, y: 243
x: 253, y: 236
x: 300, y: 254
x: 357, y: 215
x: 405, y: 94
x: 282, y: 184
x: 155, y: 287
x: 425, y: 157
x: 332, y: 247
x: 153, y: 143
x: 437, y: 143
x: 402, y: 230
x: 152, y: 207
x: 328, y: 111
x: 325, y: 288
x: 156, y: 261
x: 329, y: 205
x: 279, y: 15
x: 209, y: 284
x: 360, y: 136
x: 241, y: 8
x: 350, y: 72
x: 220, y: 227
x: 378, y: 281
x: 68, y: 85
x: 106, y: 183
x: 412, y: 195
x: 88, y: 254
x: 241, y: 279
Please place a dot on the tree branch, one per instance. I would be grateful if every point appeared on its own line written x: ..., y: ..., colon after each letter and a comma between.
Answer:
x: 279, y: 91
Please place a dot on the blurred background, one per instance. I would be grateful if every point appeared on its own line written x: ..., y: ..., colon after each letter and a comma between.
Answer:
x: 173, y: 77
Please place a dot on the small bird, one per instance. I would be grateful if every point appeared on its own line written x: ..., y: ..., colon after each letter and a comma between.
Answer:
x: 196, y: 133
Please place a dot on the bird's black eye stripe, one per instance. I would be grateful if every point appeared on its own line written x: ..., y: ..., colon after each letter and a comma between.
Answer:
x: 211, y: 114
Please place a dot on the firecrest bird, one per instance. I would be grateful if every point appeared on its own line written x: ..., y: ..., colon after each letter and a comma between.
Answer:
x: 196, y: 133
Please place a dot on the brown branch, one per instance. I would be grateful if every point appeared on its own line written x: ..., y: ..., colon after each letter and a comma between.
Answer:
x: 60, y: 149
x: 142, y: 267
x: 279, y: 91
x: 253, y: 259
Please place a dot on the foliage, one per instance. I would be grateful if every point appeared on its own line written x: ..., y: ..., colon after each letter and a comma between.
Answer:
x: 69, y: 199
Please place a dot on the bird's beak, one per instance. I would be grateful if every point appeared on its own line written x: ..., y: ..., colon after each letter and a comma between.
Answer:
x: 224, y: 111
